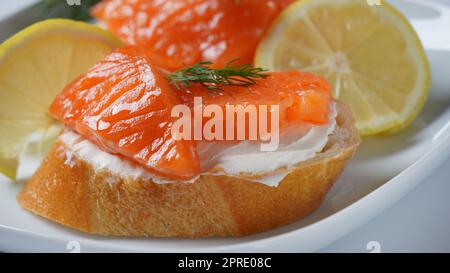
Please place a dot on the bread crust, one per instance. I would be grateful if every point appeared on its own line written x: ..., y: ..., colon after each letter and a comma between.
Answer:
x: 98, y: 202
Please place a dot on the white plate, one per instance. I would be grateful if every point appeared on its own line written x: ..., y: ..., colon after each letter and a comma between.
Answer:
x: 384, y: 170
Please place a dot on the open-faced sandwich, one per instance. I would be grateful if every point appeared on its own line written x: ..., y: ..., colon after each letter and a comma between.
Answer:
x: 118, y: 169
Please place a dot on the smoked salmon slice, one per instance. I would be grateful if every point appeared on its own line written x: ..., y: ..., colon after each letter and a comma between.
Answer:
x: 302, y: 96
x: 179, y: 33
x: 124, y: 106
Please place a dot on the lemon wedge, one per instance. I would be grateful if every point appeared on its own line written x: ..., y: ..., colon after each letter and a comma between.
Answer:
x: 370, y: 54
x: 35, y: 65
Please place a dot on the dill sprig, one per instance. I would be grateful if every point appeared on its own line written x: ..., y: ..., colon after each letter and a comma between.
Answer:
x: 71, y: 9
x: 215, y: 78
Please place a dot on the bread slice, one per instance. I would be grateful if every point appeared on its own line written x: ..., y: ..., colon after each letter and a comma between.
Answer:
x: 82, y: 197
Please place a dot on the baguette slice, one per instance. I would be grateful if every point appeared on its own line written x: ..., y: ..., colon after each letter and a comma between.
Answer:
x: 81, y: 197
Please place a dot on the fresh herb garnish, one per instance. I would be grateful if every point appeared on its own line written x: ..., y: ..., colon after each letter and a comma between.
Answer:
x: 71, y: 9
x: 215, y: 78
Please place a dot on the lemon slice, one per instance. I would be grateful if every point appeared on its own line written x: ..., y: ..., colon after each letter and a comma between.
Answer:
x: 35, y: 65
x: 370, y: 54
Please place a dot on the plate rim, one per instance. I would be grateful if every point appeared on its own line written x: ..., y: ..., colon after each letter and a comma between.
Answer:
x: 438, y: 152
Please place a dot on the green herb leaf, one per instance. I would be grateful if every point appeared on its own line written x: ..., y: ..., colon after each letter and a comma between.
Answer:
x: 215, y: 78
